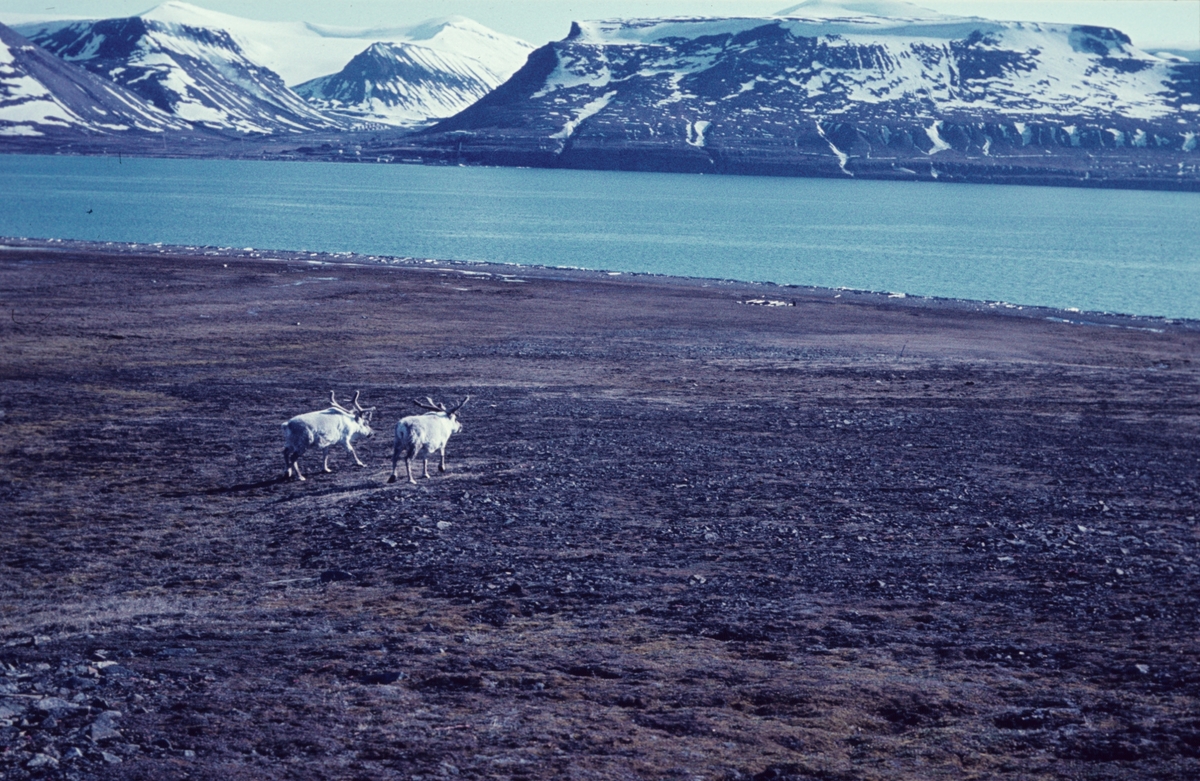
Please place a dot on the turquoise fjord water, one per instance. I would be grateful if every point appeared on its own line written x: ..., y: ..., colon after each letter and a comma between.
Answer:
x: 1103, y: 250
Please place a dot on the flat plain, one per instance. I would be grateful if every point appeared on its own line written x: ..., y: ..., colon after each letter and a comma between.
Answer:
x: 682, y: 535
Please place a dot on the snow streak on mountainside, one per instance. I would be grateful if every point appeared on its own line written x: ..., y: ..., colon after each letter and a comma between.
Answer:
x: 198, y: 74
x: 40, y: 96
x: 830, y: 89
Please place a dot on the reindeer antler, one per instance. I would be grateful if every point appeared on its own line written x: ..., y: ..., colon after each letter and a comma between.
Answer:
x: 460, y: 405
x: 333, y: 400
x: 430, y: 405
x: 357, y: 406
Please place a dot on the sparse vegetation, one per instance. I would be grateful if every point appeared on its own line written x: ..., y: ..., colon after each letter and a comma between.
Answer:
x: 852, y: 538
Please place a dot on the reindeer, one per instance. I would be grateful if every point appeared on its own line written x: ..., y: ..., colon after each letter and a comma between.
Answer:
x: 321, y: 429
x: 424, y: 434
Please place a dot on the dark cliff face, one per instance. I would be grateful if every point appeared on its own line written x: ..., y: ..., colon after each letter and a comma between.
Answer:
x: 1017, y: 101
x: 198, y: 74
x: 507, y: 105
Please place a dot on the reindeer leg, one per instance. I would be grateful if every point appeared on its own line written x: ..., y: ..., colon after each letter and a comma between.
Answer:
x: 442, y: 466
x: 350, y: 448
x: 397, y: 454
x: 292, y: 459
x: 426, y: 465
x: 408, y: 466
x: 327, y: 469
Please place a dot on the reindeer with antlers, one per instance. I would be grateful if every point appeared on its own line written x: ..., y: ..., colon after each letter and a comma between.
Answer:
x: 321, y: 429
x: 424, y: 434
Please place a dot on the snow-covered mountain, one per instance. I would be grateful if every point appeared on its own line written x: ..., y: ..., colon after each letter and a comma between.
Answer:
x: 226, y: 71
x: 42, y: 96
x: 445, y: 66
x: 831, y: 88
x: 301, y: 51
x: 199, y: 74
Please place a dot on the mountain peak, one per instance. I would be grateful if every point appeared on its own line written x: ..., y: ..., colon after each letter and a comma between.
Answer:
x: 177, y: 12
x: 442, y: 67
x: 431, y: 27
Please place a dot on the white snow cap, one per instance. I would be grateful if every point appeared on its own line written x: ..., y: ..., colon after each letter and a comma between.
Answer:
x: 838, y: 9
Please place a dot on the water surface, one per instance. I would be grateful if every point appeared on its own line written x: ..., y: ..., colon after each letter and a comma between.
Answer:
x: 1107, y: 250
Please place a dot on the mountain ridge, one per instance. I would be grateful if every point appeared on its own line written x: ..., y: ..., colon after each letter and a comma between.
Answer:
x: 401, y: 84
x: 823, y: 89
x: 229, y: 73
x: 41, y: 96
x: 199, y: 74
x: 913, y: 98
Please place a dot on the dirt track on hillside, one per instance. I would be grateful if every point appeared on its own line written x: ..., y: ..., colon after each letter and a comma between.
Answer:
x: 681, y: 536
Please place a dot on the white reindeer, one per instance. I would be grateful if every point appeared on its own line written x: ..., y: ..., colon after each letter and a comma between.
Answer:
x: 424, y: 434
x: 324, y: 428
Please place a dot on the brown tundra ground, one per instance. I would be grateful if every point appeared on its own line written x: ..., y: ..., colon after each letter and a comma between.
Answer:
x: 681, y: 537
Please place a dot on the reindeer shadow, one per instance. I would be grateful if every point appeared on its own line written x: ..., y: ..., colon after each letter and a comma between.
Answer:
x: 282, y: 480
x: 240, y: 487
x: 310, y: 491
x: 229, y: 489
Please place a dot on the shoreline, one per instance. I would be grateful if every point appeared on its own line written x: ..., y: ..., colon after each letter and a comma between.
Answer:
x: 404, y: 149
x: 1071, y: 316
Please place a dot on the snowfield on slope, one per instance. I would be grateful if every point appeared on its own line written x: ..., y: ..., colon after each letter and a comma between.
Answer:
x: 1045, y: 68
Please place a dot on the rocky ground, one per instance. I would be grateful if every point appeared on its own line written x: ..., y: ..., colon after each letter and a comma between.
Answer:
x: 681, y: 536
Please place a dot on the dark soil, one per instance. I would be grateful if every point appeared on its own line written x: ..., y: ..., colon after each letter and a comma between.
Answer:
x: 680, y: 537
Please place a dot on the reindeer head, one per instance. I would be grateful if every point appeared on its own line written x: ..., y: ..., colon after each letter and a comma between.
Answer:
x: 440, y: 409
x: 361, y: 416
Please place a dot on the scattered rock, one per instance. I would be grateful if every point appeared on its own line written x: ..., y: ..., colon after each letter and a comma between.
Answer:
x: 593, y: 671
x: 1037, y: 718
x: 171, y: 653
x: 383, y: 678
x: 42, y: 760
x: 55, y: 706
x: 105, y: 726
